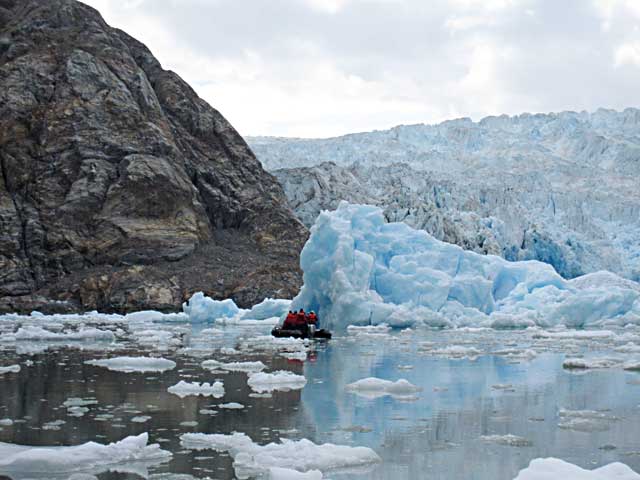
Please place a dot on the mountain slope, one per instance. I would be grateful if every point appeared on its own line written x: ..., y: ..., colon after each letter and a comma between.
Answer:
x: 122, y: 189
x: 561, y: 188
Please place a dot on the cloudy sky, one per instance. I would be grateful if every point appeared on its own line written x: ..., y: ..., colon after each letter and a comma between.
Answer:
x: 319, y: 68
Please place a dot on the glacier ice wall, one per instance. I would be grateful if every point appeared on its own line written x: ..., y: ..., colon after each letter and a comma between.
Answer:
x: 358, y: 269
x: 561, y: 188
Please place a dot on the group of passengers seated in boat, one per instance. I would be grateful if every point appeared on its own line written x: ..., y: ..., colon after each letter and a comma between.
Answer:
x: 300, y: 320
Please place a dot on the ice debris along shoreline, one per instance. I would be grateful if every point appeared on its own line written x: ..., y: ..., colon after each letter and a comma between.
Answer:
x: 554, y: 469
x: 134, y: 364
x: 21, y: 461
x: 360, y: 270
x: 252, y: 459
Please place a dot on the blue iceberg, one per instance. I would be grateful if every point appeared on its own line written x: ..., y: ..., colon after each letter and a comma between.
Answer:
x: 360, y: 270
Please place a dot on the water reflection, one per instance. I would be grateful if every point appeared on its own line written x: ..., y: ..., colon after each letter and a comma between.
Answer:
x: 435, y: 436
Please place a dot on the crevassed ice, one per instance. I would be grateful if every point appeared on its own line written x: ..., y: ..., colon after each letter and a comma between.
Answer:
x: 360, y: 270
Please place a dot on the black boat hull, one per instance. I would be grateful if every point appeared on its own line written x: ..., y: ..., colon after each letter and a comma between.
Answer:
x: 317, y: 335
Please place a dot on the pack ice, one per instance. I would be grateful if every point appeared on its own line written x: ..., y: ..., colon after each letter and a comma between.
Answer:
x: 360, y: 270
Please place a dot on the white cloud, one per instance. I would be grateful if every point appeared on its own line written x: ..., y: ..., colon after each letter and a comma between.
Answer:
x: 328, y: 67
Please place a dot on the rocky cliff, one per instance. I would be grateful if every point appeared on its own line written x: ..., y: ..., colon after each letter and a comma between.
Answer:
x: 122, y: 189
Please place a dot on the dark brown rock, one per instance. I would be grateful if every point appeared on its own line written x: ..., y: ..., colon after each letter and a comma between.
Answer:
x: 122, y: 189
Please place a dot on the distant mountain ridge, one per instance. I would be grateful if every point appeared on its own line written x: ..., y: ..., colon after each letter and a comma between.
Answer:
x: 562, y: 187
x: 122, y: 189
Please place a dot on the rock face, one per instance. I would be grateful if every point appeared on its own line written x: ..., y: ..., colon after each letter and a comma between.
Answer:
x: 122, y: 189
x: 560, y: 188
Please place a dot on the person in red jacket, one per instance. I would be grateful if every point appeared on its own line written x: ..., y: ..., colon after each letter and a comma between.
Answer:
x: 290, y: 321
x: 312, y: 319
x: 302, y: 318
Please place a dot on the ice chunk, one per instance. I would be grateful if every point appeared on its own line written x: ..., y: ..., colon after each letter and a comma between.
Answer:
x: 251, y: 459
x: 234, y: 366
x: 60, y: 462
x: 360, y: 270
x: 280, y: 380
x: 368, y: 329
x: 141, y: 419
x: 590, y: 363
x: 201, y: 308
x: 184, y: 389
x: 276, y: 473
x: 134, y: 364
x: 37, y: 333
x: 10, y: 369
x: 376, y: 387
x: 268, y: 308
x: 231, y: 406
x: 553, y: 469
x: 508, y: 440
x: 585, y: 420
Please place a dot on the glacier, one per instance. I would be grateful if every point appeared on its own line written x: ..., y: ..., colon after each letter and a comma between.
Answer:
x: 360, y: 270
x: 561, y: 188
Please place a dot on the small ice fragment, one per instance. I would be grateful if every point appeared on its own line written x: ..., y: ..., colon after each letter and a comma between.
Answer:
x: 279, y: 380
x: 184, y: 389
x: 277, y: 473
x: 134, y: 364
x: 141, y: 419
x: 554, y: 469
x: 234, y: 366
x: 507, y: 440
x: 373, y: 387
x: 231, y: 406
x: 10, y: 369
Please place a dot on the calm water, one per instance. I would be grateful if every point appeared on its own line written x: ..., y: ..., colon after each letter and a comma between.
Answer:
x: 435, y: 436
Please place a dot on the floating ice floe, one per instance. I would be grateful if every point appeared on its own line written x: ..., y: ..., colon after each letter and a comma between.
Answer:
x: 21, y: 462
x: 31, y: 333
x: 452, y: 351
x: 281, y: 380
x: 231, y: 406
x: 10, y: 369
x: 373, y: 329
x: 276, y: 473
x: 585, y: 420
x: 376, y: 387
x: 234, y: 366
x: 554, y: 469
x: 77, y: 407
x: 184, y: 389
x: 600, y: 363
x: 134, y: 364
x: 251, y: 459
x: 574, y: 334
x: 360, y: 270
x: 508, y: 440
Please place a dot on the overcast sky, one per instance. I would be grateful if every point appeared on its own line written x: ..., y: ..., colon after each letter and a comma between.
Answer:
x: 319, y: 68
